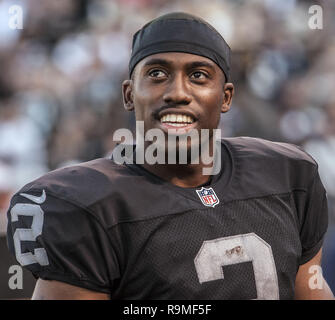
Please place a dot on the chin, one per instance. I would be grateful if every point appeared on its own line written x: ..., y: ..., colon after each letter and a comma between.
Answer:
x: 183, y: 151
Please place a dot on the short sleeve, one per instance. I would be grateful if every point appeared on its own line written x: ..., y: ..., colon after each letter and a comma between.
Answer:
x: 57, y: 240
x: 313, y: 216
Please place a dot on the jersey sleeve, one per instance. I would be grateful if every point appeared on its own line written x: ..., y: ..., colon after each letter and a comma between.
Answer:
x: 58, y: 240
x: 313, y: 216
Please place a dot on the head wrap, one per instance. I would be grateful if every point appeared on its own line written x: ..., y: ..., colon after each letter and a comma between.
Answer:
x: 180, y: 32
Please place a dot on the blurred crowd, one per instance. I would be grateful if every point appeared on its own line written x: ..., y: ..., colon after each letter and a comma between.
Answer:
x: 61, y: 75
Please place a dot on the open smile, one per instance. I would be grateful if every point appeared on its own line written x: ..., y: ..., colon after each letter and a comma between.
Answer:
x: 181, y: 122
x: 176, y: 120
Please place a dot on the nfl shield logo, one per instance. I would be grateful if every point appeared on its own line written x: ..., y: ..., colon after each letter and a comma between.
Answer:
x: 208, y: 197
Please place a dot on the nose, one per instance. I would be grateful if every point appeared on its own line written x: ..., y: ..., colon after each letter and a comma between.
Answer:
x: 177, y: 91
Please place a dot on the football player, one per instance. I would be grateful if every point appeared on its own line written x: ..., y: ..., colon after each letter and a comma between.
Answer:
x: 103, y: 230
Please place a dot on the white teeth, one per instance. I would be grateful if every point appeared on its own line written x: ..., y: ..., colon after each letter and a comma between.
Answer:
x: 174, y: 124
x: 177, y: 119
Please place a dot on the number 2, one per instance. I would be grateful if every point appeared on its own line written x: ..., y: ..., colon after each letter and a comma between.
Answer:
x: 214, y: 254
x: 40, y: 256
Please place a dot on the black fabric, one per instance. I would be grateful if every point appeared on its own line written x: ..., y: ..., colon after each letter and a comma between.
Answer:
x: 77, y: 247
x: 180, y: 32
x: 117, y: 229
x: 159, y: 262
x: 308, y: 202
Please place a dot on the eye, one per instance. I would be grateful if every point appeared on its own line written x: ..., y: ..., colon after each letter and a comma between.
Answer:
x: 199, y: 75
x: 156, y: 73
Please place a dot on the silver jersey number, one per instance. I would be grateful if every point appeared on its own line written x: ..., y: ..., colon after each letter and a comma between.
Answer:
x: 215, y: 254
x: 40, y: 256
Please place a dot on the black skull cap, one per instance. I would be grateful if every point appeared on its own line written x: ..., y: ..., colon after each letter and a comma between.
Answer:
x: 180, y: 32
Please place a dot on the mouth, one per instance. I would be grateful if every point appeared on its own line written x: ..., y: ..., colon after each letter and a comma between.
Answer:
x: 176, y: 121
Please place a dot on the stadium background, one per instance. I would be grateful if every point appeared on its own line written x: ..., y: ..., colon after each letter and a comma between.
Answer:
x: 61, y: 74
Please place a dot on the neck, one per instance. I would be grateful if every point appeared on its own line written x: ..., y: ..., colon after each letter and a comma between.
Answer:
x: 181, y: 175
x: 186, y: 175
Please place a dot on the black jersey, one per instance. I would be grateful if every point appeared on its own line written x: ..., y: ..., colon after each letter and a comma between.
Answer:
x: 121, y: 230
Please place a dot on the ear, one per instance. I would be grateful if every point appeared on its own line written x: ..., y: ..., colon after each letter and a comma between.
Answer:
x: 228, y: 91
x: 127, y: 94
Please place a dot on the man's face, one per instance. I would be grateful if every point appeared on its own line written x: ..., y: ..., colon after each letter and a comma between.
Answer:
x: 179, y: 91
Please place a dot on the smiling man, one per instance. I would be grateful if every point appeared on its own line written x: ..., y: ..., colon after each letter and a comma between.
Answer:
x: 179, y: 94
x: 102, y: 230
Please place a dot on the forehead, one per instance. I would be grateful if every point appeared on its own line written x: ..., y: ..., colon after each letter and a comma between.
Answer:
x: 177, y: 59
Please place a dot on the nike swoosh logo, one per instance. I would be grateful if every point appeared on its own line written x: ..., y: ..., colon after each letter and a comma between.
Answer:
x: 38, y: 200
